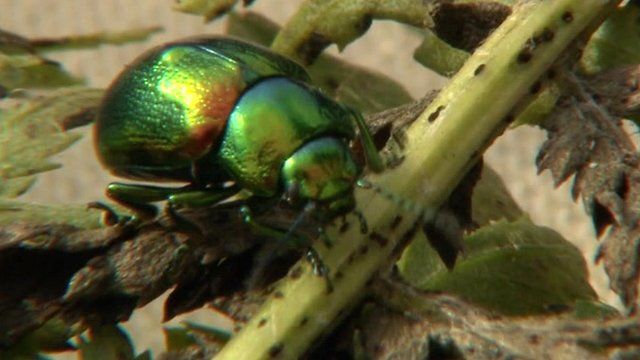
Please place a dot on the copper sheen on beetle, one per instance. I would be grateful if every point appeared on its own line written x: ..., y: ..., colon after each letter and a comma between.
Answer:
x: 215, y: 111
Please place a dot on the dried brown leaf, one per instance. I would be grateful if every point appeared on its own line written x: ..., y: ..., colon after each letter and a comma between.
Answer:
x: 466, y: 25
x: 618, y: 90
x: 40, y: 247
x: 139, y: 268
x: 101, y: 275
x: 586, y: 139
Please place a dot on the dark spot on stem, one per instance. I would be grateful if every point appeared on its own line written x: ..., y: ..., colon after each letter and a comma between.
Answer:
x: 351, y: 258
x: 378, y: 238
x: 276, y: 349
x: 567, y: 17
x: 330, y: 288
x: 262, y: 322
x: 395, y: 222
x: 278, y: 295
x: 551, y: 74
x: 339, y: 275
x: 535, y: 88
x: 547, y: 35
x: 304, y: 321
x: 434, y: 115
x: 364, y: 228
x: 479, y: 69
x: 525, y: 56
x: 536, y: 40
x: 364, y: 249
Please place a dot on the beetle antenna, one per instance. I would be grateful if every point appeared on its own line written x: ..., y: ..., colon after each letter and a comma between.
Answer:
x: 427, y: 214
x: 440, y: 225
x: 309, y: 208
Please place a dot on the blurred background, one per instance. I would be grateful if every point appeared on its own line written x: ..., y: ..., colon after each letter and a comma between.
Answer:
x: 387, y: 47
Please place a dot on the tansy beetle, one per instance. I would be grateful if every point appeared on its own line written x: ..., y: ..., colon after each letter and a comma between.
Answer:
x: 222, y: 116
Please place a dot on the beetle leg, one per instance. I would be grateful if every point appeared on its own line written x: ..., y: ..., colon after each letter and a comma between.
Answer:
x: 259, y: 229
x: 111, y: 217
x: 138, y: 197
x: 374, y: 160
x: 318, y: 266
x: 200, y: 198
x: 193, y: 198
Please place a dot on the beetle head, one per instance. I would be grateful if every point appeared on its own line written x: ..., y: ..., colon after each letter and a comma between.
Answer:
x: 322, y: 171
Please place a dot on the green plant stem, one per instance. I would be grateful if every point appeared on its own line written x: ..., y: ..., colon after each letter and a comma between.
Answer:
x: 341, y: 22
x: 441, y: 145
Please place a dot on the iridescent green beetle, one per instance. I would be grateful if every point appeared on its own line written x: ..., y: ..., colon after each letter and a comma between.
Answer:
x: 217, y: 111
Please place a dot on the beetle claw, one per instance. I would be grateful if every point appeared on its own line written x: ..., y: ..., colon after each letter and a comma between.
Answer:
x: 111, y: 217
x: 318, y: 266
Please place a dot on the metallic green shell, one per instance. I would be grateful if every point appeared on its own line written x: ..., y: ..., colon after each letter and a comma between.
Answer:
x: 259, y: 61
x: 168, y: 109
x: 322, y: 170
x: 270, y: 122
